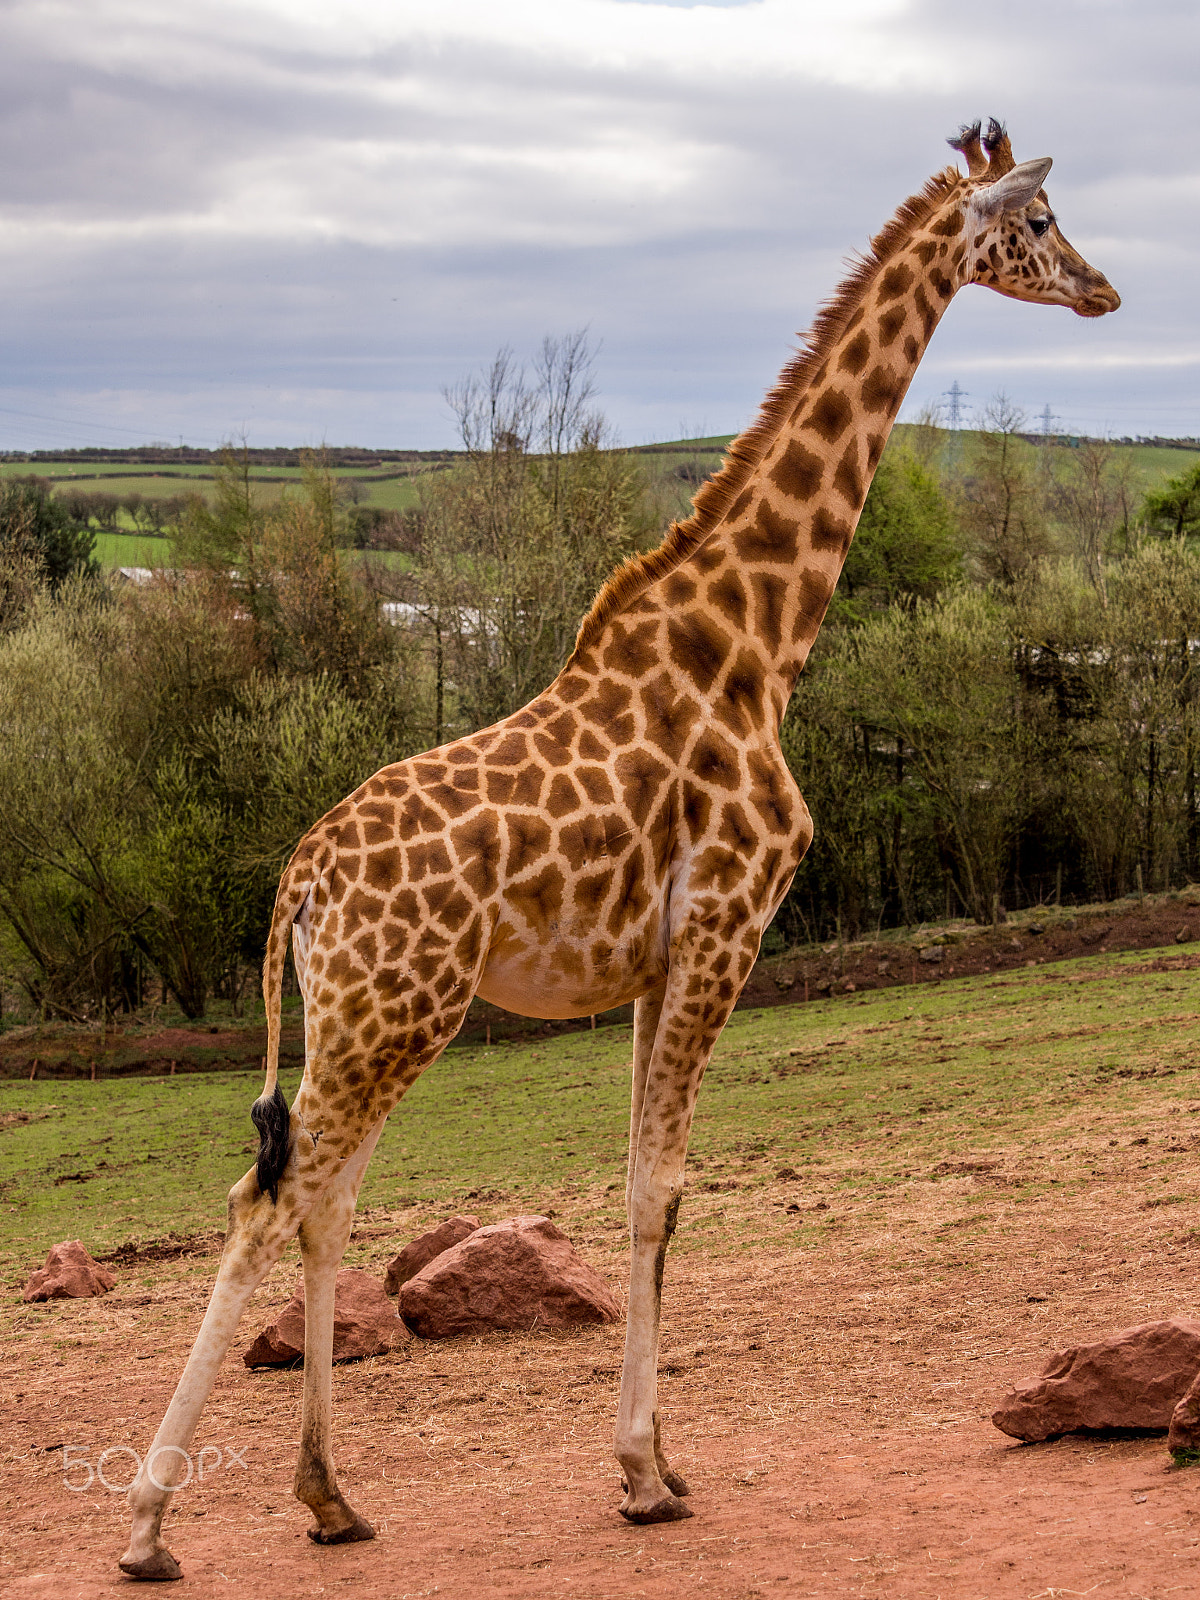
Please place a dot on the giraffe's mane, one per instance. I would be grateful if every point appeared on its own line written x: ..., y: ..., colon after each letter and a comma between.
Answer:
x: 714, y: 498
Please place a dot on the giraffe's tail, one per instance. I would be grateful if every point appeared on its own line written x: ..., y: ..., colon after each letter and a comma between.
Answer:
x: 269, y: 1113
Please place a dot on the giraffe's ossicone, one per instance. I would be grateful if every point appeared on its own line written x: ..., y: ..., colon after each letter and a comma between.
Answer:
x: 627, y: 836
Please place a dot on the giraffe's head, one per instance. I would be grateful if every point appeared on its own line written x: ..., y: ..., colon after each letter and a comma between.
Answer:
x: 1013, y: 243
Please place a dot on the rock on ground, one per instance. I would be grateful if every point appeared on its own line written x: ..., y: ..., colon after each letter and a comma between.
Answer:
x: 70, y: 1273
x: 421, y: 1251
x: 1134, y: 1379
x: 1184, y: 1432
x: 515, y: 1275
x: 364, y: 1324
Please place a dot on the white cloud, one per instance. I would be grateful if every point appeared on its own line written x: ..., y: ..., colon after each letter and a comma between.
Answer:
x: 272, y: 197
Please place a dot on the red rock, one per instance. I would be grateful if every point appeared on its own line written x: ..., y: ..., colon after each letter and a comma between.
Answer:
x: 421, y: 1251
x: 1184, y: 1432
x: 518, y: 1274
x: 1135, y: 1379
x: 364, y: 1324
x: 70, y: 1273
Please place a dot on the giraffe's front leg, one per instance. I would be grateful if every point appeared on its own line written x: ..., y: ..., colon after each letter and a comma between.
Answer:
x: 323, y: 1239
x: 647, y: 1011
x: 692, y: 1012
x: 653, y: 1492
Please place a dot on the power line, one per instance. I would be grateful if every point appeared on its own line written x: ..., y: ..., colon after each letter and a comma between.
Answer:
x: 77, y: 422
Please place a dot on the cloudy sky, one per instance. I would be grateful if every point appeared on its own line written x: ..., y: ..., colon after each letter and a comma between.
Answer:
x: 298, y: 220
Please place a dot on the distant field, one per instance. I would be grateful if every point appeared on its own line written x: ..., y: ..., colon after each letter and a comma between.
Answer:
x: 92, y: 472
x: 153, y: 481
x: 1157, y: 464
x: 150, y: 485
x: 676, y: 469
x: 393, y: 494
x: 1152, y: 465
x: 140, y: 550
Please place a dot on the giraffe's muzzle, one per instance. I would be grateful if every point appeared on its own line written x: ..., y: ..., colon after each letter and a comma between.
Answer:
x: 1100, y: 299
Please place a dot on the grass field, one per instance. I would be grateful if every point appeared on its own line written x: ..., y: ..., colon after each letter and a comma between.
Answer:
x: 857, y: 1095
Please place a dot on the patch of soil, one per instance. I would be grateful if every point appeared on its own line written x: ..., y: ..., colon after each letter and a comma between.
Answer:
x: 172, y: 1247
x: 962, y: 950
x: 65, y: 1050
x: 829, y: 1406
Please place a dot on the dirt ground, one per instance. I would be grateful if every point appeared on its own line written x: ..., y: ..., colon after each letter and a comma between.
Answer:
x: 922, y: 956
x: 963, y: 949
x: 830, y: 1408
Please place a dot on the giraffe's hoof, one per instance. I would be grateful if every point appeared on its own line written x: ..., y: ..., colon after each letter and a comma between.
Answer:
x: 672, y: 1509
x: 676, y: 1484
x: 161, y: 1567
x: 358, y: 1531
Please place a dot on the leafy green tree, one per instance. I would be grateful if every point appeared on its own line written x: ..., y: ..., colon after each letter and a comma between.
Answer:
x: 67, y: 784
x: 932, y: 734
x: 33, y: 522
x: 1092, y: 498
x: 160, y: 766
x: 907, y: 547
x: 1125, y: 680
x: 1174, y: 510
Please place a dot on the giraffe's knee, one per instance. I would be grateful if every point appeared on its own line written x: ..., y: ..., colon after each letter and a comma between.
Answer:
x: 256, y: 1227
x: 242, y: 1199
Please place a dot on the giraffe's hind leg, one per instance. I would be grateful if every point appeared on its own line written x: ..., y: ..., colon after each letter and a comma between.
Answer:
x: 256, y: 1237
x: 259, y: 1230
x: 324, y: 1235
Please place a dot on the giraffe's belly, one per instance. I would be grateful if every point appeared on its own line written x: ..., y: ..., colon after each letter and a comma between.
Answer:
x: 570, y: 975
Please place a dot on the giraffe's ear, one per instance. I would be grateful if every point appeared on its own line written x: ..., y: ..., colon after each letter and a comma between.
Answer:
x: 1014, y: 190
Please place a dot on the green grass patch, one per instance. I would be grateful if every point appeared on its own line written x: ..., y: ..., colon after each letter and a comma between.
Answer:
x: 132, y: 550
x: 1045, y: 1068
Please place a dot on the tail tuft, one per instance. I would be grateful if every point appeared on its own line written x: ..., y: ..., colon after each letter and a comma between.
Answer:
x: 270, y: 1115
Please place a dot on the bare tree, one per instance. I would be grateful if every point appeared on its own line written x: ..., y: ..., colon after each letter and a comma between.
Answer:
x: 1002, y: 505
x: 1094, y: 501
x: 925, y: 434
x: 516, y: 541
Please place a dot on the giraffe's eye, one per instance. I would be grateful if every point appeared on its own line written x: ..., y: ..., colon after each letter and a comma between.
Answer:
x: 1040, y: 225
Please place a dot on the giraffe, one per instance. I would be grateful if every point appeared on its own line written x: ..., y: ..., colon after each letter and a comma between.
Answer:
x: 627, y: 836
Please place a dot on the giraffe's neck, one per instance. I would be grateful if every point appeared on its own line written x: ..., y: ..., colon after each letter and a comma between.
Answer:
x: 774, y: 558
x: 733, y: 598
